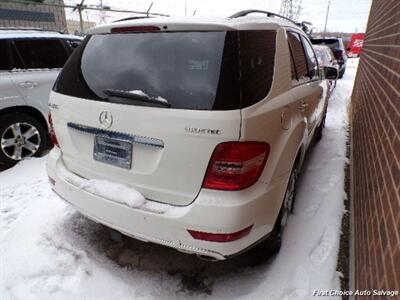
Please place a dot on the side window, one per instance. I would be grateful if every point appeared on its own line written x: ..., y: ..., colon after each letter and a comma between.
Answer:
x: 312, y: 63
x: 5, y: 59
x: 300, y: 63
x: 41, y: 53
x: 292, y: 66
x: 257, y: 56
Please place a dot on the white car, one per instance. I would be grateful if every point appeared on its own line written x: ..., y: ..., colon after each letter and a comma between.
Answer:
x: 30, y: 62
x: 188, y: 132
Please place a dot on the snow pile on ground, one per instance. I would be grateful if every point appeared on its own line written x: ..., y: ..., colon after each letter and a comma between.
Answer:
x: 49, y: 251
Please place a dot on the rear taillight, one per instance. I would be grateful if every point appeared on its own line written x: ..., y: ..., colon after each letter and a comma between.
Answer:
x: 53, y: 136
x: 135, y: 29
x: 236, y: 165
x: 220, y: 237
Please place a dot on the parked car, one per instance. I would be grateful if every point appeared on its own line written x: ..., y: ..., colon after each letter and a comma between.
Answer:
x: 326, y: 58
x: 169, y: 140
x: 338, y: 49
x: 30, y: 62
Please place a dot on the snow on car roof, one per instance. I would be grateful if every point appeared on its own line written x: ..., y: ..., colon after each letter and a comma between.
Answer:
x: 200, y: 23
x: 32, y: 33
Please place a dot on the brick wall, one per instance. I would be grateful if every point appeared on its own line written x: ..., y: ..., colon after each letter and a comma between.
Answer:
x: 32, y: 15
x: 376, y: 152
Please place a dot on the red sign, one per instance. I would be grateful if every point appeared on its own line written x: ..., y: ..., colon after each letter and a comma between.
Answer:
x: 356, y: 44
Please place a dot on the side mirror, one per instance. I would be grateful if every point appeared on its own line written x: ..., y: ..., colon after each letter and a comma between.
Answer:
x: 331, y: 73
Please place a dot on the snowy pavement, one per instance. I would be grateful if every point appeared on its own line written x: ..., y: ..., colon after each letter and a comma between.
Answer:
x: 49, y: 251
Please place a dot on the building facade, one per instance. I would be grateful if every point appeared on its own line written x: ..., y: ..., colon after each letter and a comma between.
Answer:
x: 376, y: 153
x: 24, y: 14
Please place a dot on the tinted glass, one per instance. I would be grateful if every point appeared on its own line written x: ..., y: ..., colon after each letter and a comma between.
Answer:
x: 299, y: 58
x: 312, y: 62
x: 4, y: 59
x: 191, y: 70
x: 41, y: 54
x: 292, y: 66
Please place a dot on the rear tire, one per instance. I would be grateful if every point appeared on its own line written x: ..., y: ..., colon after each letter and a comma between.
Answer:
x: 21, y: 136
x: 273, y: 243
x: 320, y: 129
x: 341, y: 73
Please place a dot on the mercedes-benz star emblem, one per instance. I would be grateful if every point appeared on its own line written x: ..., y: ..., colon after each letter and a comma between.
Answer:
x: 106, y: 119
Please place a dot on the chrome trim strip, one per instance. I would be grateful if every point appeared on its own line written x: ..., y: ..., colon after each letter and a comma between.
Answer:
x: 137, y: 139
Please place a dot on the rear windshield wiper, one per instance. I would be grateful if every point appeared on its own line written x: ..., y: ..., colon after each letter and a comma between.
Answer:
x: 141, y: 97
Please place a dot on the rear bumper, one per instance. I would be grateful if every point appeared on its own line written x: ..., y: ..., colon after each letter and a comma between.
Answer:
x: 212, y: 211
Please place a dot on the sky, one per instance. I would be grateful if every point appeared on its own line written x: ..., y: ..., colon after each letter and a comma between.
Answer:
x: 344, y: 15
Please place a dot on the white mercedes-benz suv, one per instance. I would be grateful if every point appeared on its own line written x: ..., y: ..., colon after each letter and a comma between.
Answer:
x: 30, y: 60
x: 188, y: 132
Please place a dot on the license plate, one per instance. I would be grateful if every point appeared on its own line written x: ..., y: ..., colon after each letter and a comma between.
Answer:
x: 114, y: 152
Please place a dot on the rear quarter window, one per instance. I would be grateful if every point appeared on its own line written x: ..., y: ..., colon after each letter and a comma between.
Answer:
x: 299, y: 58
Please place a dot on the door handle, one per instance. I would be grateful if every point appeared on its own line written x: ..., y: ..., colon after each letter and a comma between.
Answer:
x: 28, y: 84
x: 303, y: 106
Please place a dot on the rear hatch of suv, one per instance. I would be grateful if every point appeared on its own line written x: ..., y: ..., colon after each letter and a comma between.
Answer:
x: 147, y: 109
x: 335, y: 44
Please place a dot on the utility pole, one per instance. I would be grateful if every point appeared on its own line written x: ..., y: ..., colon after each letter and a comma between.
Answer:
x: 80, y: 7
x: 326, y: 18
x: 102, y: 13
x: 185, y: 7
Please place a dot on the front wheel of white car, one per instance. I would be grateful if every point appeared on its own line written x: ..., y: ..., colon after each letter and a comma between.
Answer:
x: 21, y: 136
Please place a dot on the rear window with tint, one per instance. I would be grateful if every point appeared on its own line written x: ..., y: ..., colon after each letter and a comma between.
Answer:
x: 220, y: 70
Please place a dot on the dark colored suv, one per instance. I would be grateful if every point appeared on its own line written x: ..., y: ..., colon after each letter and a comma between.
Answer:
x: 338, y: 49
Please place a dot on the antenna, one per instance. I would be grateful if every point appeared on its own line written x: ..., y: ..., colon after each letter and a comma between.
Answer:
x: 148, y: 10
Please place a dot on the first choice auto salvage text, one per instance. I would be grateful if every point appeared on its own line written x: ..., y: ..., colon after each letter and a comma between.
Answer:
x: 387, y: 293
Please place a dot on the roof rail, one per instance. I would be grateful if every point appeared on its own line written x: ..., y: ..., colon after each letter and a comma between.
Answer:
x: 302, y: 25
x: 244, y: 13
x: 30, y: 29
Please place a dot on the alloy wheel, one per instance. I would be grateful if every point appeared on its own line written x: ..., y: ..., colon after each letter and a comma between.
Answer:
x: 20, y: 140
x: 289, y: 197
